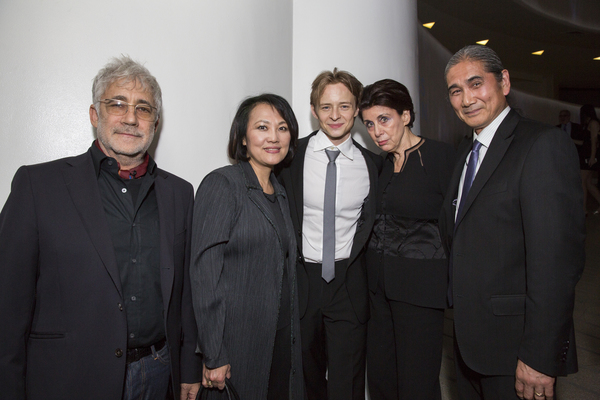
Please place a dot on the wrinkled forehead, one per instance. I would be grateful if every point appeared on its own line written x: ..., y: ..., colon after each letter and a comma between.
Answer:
x: 129, y: 86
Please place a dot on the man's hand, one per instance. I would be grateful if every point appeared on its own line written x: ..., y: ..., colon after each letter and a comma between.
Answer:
x: 533, y: 385
x: 189, y: 391
x: 215, y: 377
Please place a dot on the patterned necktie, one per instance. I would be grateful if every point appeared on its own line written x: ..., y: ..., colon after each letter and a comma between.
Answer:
x: 469, y: 175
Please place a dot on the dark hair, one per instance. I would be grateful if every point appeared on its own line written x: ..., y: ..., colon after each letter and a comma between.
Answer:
x: 587, y: 111
x: 331, y: 78
x: 239, y: 126
x: 476, y: 52
x: 387, y: 93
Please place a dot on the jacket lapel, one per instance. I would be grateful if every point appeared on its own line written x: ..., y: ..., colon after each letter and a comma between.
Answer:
x: 81, y: 183
x: 166, y: 218
x: 296, y: 188
x: 367, y: 216
x: 500, y: 143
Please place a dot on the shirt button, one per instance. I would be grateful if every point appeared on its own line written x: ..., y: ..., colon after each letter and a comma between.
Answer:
x: 124, y: 190
x: 133, y: 298
x: 118, y: 352
x: 110, y: 162
x: 133, y: 260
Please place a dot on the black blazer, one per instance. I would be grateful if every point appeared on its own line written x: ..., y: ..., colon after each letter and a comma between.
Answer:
x: 64, y: 333
x: 517, y: 251
x: 356, y: 273
x: 237, y: 278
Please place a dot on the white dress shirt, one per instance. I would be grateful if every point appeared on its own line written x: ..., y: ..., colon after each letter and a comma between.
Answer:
x: 352, y: 188
x: 485, y: 138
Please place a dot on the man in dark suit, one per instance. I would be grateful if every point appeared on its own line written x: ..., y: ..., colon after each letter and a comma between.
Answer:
x: 572, y: 129
x: 515, y: 239
x: 331, y: 235
x: 96, y: 299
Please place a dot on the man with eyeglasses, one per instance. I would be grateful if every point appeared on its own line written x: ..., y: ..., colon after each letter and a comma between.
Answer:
x: 95, y: 287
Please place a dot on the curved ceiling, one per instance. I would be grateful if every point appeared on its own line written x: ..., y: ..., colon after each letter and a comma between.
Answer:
x: 517, y: 28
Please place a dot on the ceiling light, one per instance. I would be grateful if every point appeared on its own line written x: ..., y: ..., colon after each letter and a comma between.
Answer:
x: 538, y: 53
x: 597, y: 58
x: 429, y: 25
x: 483, y: 42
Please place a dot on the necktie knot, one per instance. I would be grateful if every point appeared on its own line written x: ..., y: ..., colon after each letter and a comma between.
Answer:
x: 332, y: 154
x: 476, y: 146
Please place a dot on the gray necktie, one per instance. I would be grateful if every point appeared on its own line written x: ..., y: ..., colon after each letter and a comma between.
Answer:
x: 328, y: 263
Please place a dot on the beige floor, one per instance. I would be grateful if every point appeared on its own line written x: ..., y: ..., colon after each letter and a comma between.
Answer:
x: 584, y: 385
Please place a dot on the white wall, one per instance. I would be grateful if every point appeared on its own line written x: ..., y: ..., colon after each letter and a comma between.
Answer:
x: 207, y: 56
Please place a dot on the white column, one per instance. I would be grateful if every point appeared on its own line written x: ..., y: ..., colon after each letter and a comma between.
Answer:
x: 373, y: 40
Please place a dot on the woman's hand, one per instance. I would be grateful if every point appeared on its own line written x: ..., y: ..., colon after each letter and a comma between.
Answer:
x: 215, y: 377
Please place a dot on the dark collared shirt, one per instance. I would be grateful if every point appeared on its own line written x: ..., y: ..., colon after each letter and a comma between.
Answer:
x: 131, y: 211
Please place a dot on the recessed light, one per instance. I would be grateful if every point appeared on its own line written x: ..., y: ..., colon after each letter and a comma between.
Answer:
x: 597, y: 58
x: 483, y: 42
x: 429, y: 25
x: 538, y: 53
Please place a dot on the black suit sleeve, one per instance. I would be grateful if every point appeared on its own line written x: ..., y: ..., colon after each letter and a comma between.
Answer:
x: 18, y: 265
x: 553, y: 226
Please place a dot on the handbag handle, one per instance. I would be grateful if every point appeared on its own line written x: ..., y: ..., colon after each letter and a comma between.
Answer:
x: 232, y: 394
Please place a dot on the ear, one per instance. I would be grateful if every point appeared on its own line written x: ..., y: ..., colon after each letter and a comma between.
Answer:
x: 505, y: 82
x: 94, y: 116
x: 356, y: 108
x: 156, y: 123
x: 406, y: 117
x: 312, y: 109
x: 244, y: 141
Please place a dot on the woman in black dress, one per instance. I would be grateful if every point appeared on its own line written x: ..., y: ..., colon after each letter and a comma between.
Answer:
x: 407, y: 267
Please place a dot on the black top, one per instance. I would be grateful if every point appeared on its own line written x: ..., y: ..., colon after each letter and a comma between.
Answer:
x: 405, y: 248
x: 283, y: 319
x: 131, y: 211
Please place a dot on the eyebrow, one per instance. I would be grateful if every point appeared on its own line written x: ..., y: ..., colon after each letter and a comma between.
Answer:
x: 469, y: 80
x: 123, y: 98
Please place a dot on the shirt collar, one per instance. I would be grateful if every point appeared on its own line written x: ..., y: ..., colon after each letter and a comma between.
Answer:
x: 487, y: 134
x: 98, y: 157
x: 322, y: 142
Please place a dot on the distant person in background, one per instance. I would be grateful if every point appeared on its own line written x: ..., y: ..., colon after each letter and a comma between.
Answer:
x: 589, y: 150
x: 407, y: 268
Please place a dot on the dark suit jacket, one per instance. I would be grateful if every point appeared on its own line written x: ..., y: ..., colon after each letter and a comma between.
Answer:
x: 517, y: 251
x: 237, y: 272
x: 356, y: 273
x: 64, y: 333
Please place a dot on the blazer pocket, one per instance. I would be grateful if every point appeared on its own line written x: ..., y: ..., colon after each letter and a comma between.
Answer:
x: 46, y: 335
x: 511, y: 304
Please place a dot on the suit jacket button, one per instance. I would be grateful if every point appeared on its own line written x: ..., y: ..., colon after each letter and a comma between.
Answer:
x: 120, y: 307
x: 118, y: 352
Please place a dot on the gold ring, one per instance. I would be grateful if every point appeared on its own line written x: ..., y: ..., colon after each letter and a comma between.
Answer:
x: 539, y: 394
x: 210, y: 384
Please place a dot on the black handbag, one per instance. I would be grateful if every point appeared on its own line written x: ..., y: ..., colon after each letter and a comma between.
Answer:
x: 229, y: 389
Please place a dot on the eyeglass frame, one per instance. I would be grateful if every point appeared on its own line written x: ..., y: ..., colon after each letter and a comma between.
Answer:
x: 135, y: 108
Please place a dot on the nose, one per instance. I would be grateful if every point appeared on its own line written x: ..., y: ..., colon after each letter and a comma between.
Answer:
x: 335, y: 113
x: 377, y: 130
x: 467, y: 98
x: 130, y: 117
x: 273, y: 135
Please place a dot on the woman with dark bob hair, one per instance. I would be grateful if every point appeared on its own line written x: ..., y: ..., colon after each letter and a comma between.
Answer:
x: 588, y: 153
x: 406, y: 265
x: 243, y: 261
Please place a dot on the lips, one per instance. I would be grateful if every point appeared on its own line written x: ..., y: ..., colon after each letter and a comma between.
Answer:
x: 336, y: 126
x: 273, y: 149
x: 382, y: 143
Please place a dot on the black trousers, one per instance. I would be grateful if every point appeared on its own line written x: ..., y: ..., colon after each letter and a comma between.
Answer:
x: 475, y: 386
x: 333, y: 340
x: 404, y: 349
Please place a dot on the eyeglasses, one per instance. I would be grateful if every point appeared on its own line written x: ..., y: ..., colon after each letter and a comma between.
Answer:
x: 119, y: 107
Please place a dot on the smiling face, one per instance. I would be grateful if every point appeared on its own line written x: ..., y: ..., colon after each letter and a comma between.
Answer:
x: 267, y: 138
x: 386, y: 127
x: 125, y: 138
x: 476, y: 96
x: 336, y: 112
